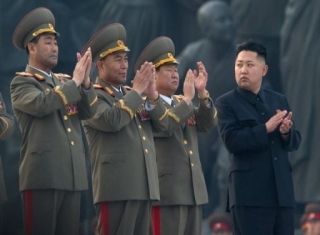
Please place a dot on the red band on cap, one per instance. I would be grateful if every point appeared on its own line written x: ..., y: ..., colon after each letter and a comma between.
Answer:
x: 220, y: 225
x: 313, y: 216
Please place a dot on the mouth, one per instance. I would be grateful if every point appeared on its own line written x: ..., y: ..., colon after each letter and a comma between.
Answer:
x: 54, y: 56
x: 244, y: 79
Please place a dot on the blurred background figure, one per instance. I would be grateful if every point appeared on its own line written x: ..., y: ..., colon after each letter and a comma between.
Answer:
x: 261, y: 21
x: 300, y: 67
x: 310, y: 220
x: 7, y: 126
x: 220, y: 224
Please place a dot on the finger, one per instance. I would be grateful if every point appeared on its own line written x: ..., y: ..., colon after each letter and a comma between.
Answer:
x: 78, y: 56
x: 143, y: 67
x: 289, y: 116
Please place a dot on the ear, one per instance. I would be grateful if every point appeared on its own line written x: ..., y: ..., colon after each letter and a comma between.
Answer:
x: 31, y: 47
x: 99, y: 65
x: 264, y: 70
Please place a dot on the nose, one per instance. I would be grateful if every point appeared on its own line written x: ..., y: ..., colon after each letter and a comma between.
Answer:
x: 244, y: 69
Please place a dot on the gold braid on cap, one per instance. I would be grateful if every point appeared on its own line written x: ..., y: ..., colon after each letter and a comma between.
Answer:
x: 167, y: 60
x: 120, y: 46
x: 45, y: 30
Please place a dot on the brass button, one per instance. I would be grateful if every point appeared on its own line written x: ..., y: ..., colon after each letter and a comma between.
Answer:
x: 190, y: 152
x: 192, y: 164
x: 185, y: 142
x: 72, y: 143
x: 144, y: 138
x: 140, y: 127
x: 47, y: 90
x: 65, y: 117
x: 69, y: 130
x: 146, y: 150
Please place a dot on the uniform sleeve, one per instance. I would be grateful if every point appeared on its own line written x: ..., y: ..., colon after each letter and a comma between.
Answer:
x: 206, y: 117
x: 88, y: 103
x: 29, y: 96
x: 7, y: 124
x: 111, y: 115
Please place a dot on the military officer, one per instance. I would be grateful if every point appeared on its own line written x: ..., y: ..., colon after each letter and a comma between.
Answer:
x: 120, y: 139
x: 220, y: 223
x: 7, y: 127
x: 182, y: 185
x: 49, y: 108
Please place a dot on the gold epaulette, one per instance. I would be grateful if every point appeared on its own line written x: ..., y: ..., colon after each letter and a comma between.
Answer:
x: 24, y: 74
x: 178, y: 97
x: 28, y: 74
x: 109, y: 90
x: 97, y: 86
x: 127, y: 88
x: 61, y: 76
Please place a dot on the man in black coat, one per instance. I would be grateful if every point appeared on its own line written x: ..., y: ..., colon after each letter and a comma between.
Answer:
x: 256, y: 127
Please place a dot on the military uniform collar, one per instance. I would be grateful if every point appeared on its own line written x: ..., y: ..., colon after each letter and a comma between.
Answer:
x: 103, y: 83
x: 167, y: 99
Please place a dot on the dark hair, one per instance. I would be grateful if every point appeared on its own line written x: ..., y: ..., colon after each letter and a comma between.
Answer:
x: 252, y: 46
x: 34, y: 40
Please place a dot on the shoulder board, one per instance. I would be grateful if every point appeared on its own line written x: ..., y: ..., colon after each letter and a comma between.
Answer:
x: 97, y: 86
x: 28, y: 74
x: 39, y: 77
x: 62, y: 75
x: 109, y: 90
x: 127, y: 88
x: 24, y: 74
x: 178, y: 97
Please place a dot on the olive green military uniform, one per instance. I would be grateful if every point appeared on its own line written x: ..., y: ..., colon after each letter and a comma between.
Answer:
x: 7, y: 126
x: 182, y: 185
x: 49, y: 108
x: 124, y: 170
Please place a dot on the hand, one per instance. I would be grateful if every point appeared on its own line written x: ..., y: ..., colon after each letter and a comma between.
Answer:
x: 201, y: 79
x: 143, y: 77
x: 87, y: 81
x: 286, y: 124
x: 81, y: 67
x: 275, y: 120
x: 188, y: 87
x: 150, y: 91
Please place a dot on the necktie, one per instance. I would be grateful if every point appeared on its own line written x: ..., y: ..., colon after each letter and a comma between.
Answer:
x: 172, y: 102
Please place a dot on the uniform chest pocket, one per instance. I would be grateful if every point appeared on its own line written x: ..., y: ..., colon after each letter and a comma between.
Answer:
x: 112, y: 158
x: 39, y: 149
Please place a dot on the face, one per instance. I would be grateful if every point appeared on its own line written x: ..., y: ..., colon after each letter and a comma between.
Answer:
x: 249, y: 70
x: 221, y: 232
x: 313, y: 228
x: 219, y: 24
x: 167, y: 79
x: 113, y: 68
x: 44, y: 53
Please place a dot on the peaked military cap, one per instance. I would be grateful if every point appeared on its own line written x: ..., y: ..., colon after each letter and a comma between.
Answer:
x: 160, y: 51
x: 108, y: 40
x: 220, y: 221
x: 36, y: 22
x: 312, y: 211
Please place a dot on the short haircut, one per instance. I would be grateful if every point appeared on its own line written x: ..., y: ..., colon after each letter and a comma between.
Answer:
x: 35, y: 41
x: 254, y: 47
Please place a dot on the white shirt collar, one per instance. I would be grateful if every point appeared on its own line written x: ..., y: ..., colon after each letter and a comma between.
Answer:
x: 48, y: 74
x: 166, y: 99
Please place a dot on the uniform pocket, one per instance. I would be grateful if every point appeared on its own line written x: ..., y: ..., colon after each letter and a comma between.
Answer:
x: 112, y: 158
